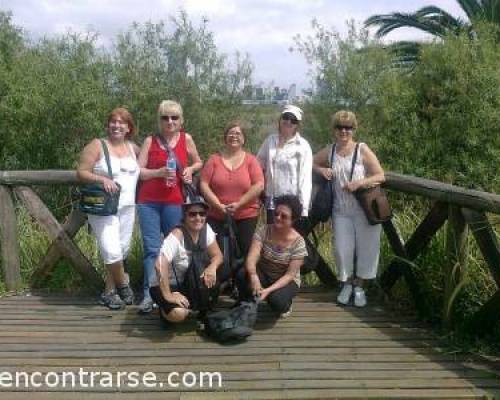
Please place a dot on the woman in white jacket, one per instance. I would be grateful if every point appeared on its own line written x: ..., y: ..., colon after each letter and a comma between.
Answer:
x: 286, y: 158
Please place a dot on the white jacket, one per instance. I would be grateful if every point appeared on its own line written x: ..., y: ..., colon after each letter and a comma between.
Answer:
x: 288, y: 170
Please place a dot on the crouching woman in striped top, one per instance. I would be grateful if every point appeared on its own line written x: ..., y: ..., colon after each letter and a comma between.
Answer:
x: 276, y: 254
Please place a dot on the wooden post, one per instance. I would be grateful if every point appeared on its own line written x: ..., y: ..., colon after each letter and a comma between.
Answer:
x: 486, y: 240
x: 485, y: 320
x: 417, y: 242
x: 404, y: 268
x: 454, y: 266
x: 38, y: 210
x: 71, y: 227
x: 9, y: 241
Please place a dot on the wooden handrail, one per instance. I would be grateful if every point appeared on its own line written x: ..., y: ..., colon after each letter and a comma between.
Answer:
x: 443, y: 192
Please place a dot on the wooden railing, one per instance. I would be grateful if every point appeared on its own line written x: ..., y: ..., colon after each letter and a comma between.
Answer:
x: 463, y: 209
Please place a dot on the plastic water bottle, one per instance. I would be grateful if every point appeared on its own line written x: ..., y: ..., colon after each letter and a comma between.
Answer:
x: 171, y: 180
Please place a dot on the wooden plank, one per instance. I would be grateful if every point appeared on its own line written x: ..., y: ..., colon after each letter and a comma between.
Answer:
x: 315, y: 384
x: 454, y: 267
x: 9, y: 241
x: 406, y: 270
x: 293, y: 346
x: 418, y: 241
x: 443, y: 192
x: 72, y: 225
x: 167, y: 358
x: 292, y: 394
x: 41, y: 213
x: 485, y: 239
x: 373, y: 370
x: 41, y: 177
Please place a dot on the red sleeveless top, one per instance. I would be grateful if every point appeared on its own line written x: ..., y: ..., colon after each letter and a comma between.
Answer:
x: 156, y: 190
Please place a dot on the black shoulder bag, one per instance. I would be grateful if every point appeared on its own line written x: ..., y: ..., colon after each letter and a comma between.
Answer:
x: 94, y: 200
x: 189, y: 190
x: 322, y: 199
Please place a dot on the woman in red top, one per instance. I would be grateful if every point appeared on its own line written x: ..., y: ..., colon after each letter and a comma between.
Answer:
x: 231, y: 182
x: 160, y: 195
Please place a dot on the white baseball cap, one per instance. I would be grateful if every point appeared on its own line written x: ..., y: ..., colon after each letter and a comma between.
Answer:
x: 296, y: 111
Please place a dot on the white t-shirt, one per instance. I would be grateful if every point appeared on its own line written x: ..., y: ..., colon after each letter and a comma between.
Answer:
x: 176, y: 254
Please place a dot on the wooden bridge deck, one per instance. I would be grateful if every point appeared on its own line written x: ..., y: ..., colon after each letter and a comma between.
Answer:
x: 321, y: 351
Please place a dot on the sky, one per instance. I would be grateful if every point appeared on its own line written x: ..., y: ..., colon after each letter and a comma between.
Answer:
x: 262, y: 28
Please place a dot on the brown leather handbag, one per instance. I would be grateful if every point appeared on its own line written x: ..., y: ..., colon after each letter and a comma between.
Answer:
x: 375, y: 204
x: 372, y: 200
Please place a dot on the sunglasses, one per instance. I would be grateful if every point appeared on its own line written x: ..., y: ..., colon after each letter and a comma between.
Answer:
x: 290, y: 117
x: 170, y: 117
x: 342, y: 127
x: 282, y: 215
x: 193, y: 214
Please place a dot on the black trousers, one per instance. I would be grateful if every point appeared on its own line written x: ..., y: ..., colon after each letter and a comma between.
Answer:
x: 245, y: 228
x: 280, y: 300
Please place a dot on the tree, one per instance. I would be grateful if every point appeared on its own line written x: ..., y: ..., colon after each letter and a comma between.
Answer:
x: 435, y: 21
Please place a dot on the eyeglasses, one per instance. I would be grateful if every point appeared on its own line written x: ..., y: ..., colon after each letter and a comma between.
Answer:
x: 282, y: 215
x: 193, y: 214
x: 170, y: 117
x: 290, y: 117
x: 342, y: 127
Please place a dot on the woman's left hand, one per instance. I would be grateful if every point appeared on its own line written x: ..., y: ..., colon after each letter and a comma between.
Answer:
x: 187, y: 175
x: 232, y: 208
x: 264, y: 293
x: 352, y: 186
x: 209, y: 276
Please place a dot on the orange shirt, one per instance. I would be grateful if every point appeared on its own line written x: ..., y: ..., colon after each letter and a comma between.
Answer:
x: 229, y: 186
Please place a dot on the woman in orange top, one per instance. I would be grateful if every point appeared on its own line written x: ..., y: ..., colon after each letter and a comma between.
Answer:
x: 231, y: 182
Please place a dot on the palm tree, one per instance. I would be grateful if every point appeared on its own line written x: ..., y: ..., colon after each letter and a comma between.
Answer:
x: 435, y: 21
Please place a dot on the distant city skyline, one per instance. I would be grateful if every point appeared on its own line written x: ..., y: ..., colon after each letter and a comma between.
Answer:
x: 262, y: 28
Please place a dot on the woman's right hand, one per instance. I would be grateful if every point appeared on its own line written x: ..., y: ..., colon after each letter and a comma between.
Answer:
x: 163, y: 172
x: 221, y: 207
x: 255, y: 284
x: 178, y: 298
x: 109, y: 185
x: 327, y: 173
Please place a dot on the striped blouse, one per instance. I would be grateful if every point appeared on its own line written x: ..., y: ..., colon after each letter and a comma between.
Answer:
x: 274, y: 260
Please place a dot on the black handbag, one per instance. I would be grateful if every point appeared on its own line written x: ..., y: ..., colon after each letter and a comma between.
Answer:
x: 322, y: 199
x: 94, y: 200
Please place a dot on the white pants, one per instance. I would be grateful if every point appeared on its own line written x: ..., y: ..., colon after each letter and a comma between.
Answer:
x: 114, y: 233
x: 354, y: 238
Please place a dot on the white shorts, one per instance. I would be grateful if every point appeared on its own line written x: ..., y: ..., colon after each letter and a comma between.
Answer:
x: 354, y: 236
x: 114, y: 233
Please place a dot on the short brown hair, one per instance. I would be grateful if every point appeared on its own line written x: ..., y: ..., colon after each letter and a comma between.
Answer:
x: 233, y: 124
x: 344, y: 117
x: 125, y: 115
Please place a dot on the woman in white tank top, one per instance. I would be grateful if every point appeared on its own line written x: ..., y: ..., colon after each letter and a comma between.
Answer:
x: 356, y: 243
x: 114, y: 232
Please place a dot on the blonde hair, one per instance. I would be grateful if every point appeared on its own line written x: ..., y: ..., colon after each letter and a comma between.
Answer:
x: 169, y: 107
x: 344, y: 117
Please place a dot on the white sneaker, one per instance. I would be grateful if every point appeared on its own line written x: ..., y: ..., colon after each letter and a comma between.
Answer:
x: 287, y: 314
x: 359, y: 297
x: 345, y: 294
